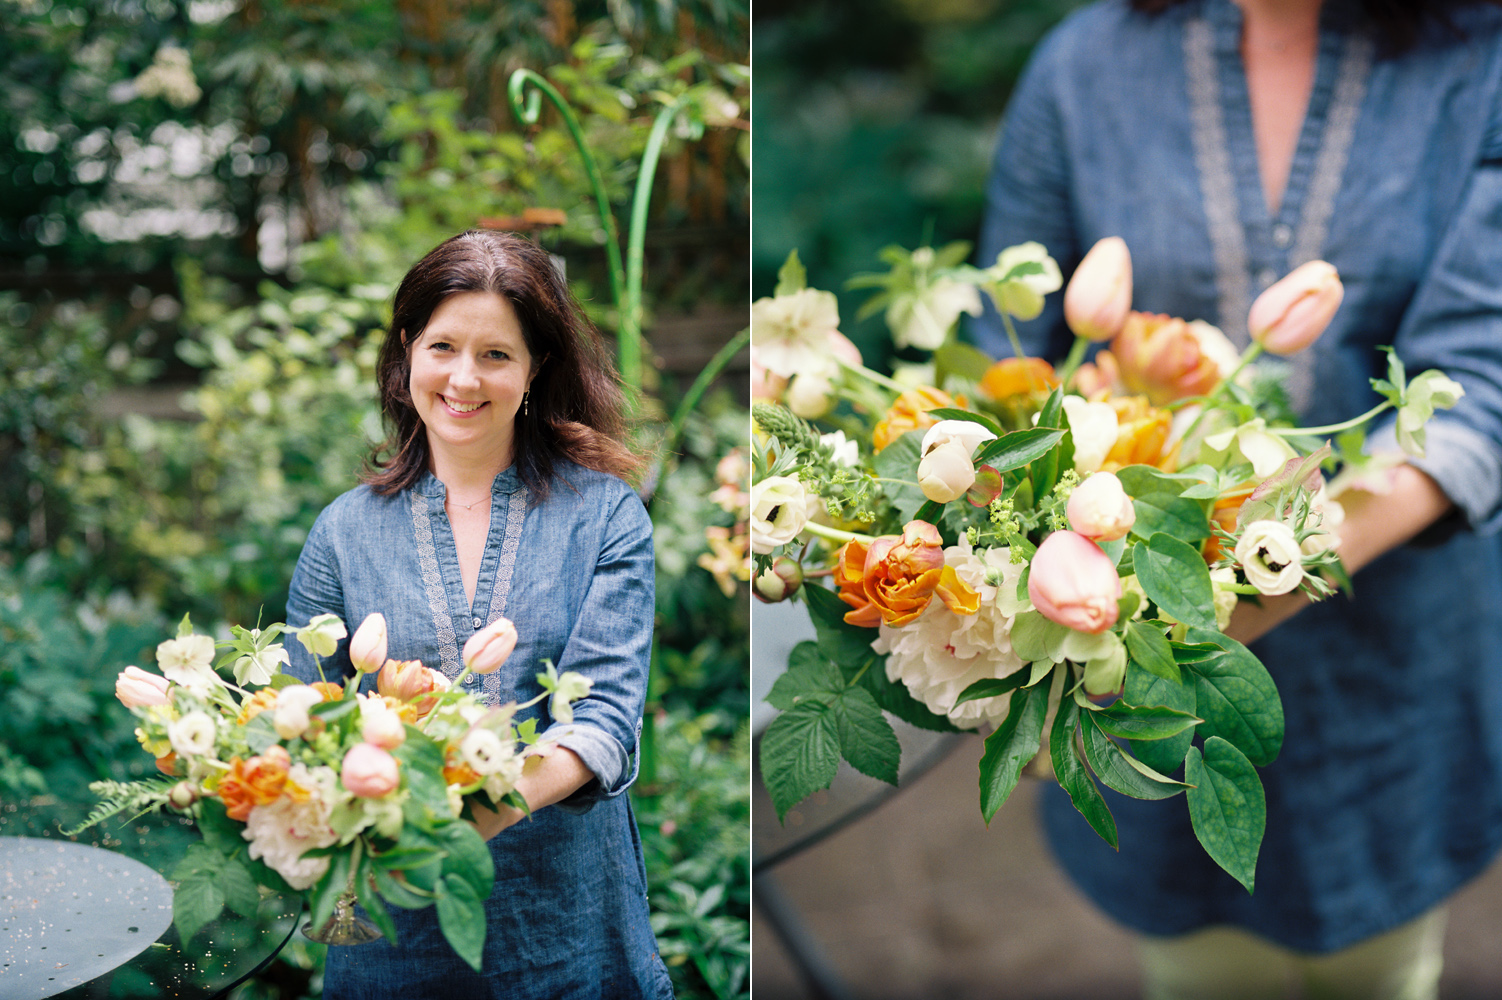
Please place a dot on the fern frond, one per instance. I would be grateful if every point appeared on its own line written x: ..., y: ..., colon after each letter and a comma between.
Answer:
x: 139, y: 797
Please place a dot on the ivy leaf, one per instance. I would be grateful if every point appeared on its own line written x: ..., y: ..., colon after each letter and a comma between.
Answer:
x: 866, y: 737
x: 1119, y: 770
x: 1175, y: 578
x: 1237, y: 698
x: 1227, y: 807
x: 1010, y: 747
x: 1073, y: 777
x: 800, y: 753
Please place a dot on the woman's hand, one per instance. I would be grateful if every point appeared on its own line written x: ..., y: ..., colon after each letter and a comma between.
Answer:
x: 551, y: 774
x: 1374, y: 524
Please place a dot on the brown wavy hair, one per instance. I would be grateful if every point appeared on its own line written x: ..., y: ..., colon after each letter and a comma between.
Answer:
x: 1396, y: 22
x: 576, y: 406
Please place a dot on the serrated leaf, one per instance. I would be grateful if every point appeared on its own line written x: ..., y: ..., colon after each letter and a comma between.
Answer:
x: 992, y: 687
x: 1145, y: 689
x: 1175, y: 578
x: 1119, y: 770
x: 838, y: 640
x: 1010, y: 747
x: 197, y: 900
x: 1145, y: 722
x: 1149, y: 649
x: 1072, y: 775
x: 1237, y: 698
x: 810, y: 674
x: 1227, y: 807
x: 800, y: 753
x: 866, y: 737
x: 1174, y: 515
x: 461, y: 917
x: 239, y: 888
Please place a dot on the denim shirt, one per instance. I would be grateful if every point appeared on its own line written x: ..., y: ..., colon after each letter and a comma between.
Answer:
x: 1386, y: 795
x: 575, y: 574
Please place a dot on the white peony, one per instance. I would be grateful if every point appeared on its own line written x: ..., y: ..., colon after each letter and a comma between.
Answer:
x: 281, y: 832
x: 942, y: 653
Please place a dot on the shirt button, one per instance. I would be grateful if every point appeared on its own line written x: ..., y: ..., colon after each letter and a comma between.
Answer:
x: 478, y: 623
x: 473, y: 679
x: 1282, y: 234
x: 1266, y: 276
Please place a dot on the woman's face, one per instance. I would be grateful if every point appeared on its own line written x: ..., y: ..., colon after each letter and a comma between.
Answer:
x: 469, y: 370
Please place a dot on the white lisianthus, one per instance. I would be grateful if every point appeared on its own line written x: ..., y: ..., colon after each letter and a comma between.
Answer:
x: 189, y: 661
x: 844, y: 452
x: 1269, y: 554
x: 321, y: 635
x: 192, y: 735
x: 1094, y: 428
x: 281, y: 832
x: 923, y: 317
x: 258, y: 667
x: 941, y: 653
x: 290, y: 718
x: 779, y: 510
x: 791, y: 331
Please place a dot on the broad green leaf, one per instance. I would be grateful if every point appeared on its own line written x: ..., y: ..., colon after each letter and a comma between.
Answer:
x: 403, y: 858
x: 866, y: 737
x: 1119, y: 770
x: 1227, y: 807
x: 398, y: 893
x: 898, y: 461
x: 1195, y: 652
x: 1236, y: 697
x: 955, y: 358
x: 1072, y: 775
x: 809, y: 675
x: 800, y: 752
x: 1052, y: 414
x: 197, y: 900
x: 326, y: 891
x: 369, y: 898
x: 992, y: 687
x: 468, y: 857
x: 1018, y: 448
x: 329, y: 711
x: 220, y: 833
x: 1147, y: 722
x: 838, y: 639
x: 1175, y: 578
x: 950, y: 413
x: 1010, y: 747
x: 1036, y: 638
x: 461, y: 917
x: 1166, y: 512
x: 1145, y: 689
x: 1149, y: 649
x: 239, y: 888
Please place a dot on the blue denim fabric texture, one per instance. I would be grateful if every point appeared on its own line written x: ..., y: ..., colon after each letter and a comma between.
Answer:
x: 1386, y: 796
x: 568, y: 916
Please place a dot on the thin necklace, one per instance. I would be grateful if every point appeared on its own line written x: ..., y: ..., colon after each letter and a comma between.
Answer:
x: 466, y: 506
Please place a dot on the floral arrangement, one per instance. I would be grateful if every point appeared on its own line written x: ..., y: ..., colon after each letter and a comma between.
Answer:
x: 321, y: 790
x: 1053, y: 555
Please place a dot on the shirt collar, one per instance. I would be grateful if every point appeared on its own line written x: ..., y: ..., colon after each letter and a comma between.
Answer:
x: 506, y: 481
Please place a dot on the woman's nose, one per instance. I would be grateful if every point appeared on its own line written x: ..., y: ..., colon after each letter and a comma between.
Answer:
x: 465, y: 373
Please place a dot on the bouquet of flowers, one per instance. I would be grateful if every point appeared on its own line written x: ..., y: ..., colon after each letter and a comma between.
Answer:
x: 321, y: 790
x: 1053, y: 555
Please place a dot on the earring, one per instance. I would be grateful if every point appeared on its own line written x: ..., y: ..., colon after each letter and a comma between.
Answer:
x: 525, y: 394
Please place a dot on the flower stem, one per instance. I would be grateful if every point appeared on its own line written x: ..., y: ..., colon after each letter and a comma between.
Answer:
x: 1237, y: 588
x: 1331, y: 428
x: 876, y: 377
x: 1076, y: 355
x: 835, y: 534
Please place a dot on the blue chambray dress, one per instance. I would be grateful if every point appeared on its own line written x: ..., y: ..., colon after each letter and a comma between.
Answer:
x: 1388, y: 792
x: 568, y: 917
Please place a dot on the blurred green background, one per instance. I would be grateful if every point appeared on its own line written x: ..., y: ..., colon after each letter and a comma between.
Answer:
x: 204, y: 208
x: 875, y: 123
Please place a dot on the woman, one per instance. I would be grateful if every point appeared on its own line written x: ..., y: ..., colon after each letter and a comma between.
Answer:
x: 500, y: 494
x: 1228, y: 142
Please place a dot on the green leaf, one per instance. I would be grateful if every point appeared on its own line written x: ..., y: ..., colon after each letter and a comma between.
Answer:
x: 1018, y: 448
x: 1052, y: 414
x: 1227, y: 807
x: 1237, y: 698
x: 1175, y: 578
x: 329, y: 711
x: 1119, y: 770
x: 1195, y: 652
x: 461, y: 917
x: 468, y: 857
x: 952, y: 413
x: 396, y: 892
x: 1149, y: 649
x: 894, y: 697
x: 792, y: 276
x: 1144, y: 722
x: 800, y: 752
x: 899, y: 461
x: 838, y: 639
x: 1035, y: 638
x: 1145, y: 689
x: 184, y: 629
x: 403, y: 858
x: 198, y: 900
x: 220, y: 833
x: 1174, y: 515
x: 326, y: 891
x: 992, y: 687
x: 809, y: 675
x: 955, y: 358
x: 866, y: 737
x: 239, y: 888
x: 260, y: 732
x: 1010, y: 747
x: 375, y: 908
x: 1072, y: 775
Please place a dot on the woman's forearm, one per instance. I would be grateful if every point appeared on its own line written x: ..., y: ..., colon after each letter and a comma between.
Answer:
x: 550, y: 776
x: 1374, y: 523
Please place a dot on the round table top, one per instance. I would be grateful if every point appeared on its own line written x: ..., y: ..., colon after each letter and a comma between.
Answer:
x: 78, y: 920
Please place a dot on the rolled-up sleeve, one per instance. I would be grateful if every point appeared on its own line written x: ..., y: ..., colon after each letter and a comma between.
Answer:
x: 611, y: 645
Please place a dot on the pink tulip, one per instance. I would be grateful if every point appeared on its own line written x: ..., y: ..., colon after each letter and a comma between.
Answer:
x: 1100, y: 509
x: 367, y: 650
x: 488, y: 648
x: 369, y: 772
x: 135, y: 687
x: 1292, y: 314
x: 1099, y: 295
x: 1074, y: 583
x: 766, y: 385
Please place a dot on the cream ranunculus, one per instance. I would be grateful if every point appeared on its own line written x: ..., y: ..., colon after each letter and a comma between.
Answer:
x: 790, y: 331
x: 965, y: 432
x: 1094, y: 427
x: 192, y: 735
x: 1270, y: 557
x: 1100, y: 509
x: 779, y: 510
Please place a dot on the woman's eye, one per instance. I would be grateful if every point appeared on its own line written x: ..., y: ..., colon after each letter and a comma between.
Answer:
x: 439, y: 345
x: 498, y: 355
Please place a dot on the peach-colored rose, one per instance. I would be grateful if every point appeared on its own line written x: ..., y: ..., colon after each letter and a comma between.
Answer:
x: 369, y: 772
x: 1141, y: 432
x: 488, y: 648
x: 850, y: 577
x: 1072, y: 582
x: 1292, y: 313
x: 367, y: 650
x: 256, y: 704
x: 1018, y: 377
x: 167, y: 765
x: 1160, y: 357
x: 910, y: 412
x: 1099, y: 294
x: 135, y: 687
x: 902, y: 574
x: 1100, y: 509
x: 253, y: 782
